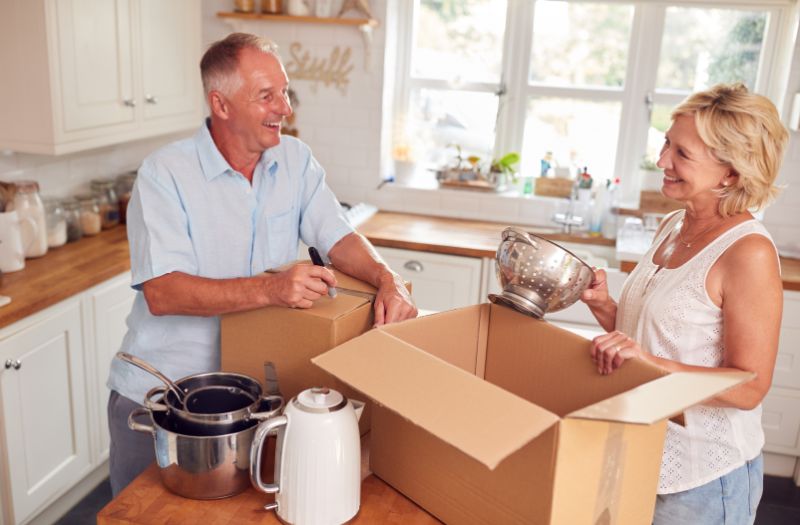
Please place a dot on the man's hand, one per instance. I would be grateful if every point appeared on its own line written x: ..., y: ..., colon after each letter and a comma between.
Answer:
x: 393, y: 302
x: 299, y: 286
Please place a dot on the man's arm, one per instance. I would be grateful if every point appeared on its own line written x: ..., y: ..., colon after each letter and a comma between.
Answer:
x: 179, y: 293
x: 355, y: 256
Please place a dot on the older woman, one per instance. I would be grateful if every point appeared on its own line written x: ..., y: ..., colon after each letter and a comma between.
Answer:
x: 707, y: 295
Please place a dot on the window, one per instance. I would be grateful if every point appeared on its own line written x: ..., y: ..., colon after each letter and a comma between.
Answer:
x: 585, y: 83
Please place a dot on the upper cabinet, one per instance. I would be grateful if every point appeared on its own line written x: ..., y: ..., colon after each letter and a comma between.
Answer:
x: 81, y: 74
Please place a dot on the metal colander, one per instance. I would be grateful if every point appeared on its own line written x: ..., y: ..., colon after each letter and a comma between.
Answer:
x: 537, y: 275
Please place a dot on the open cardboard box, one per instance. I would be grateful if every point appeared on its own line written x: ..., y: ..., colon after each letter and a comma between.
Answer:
x: 484, y: 415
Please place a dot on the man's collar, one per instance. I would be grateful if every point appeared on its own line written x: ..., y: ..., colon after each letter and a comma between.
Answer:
x: 212, y: 161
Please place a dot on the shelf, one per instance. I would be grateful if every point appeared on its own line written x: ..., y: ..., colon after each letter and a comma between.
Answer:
x: 361, y: 22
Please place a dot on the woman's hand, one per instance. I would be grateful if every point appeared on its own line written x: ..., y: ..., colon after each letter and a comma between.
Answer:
x: 610, y: 350
x: 602, y: 306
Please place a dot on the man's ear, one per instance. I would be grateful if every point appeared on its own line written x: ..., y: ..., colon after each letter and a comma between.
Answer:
x: 218, y: 104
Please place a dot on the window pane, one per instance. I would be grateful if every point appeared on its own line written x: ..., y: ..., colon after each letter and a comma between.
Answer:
x: 702, y: 47
x: 459, y: 41
x: 578, y: 133
x: 580, y: 44
x: 659, y: 124
x: 440, y: 119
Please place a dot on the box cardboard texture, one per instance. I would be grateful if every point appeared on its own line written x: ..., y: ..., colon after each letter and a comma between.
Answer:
x: 289, y: 338
x: 484, y: 415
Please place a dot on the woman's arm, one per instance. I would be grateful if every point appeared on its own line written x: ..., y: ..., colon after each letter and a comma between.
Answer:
x: 746, y: 284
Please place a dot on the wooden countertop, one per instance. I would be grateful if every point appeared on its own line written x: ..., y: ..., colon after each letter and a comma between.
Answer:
x: 147, y: 502
x: 76, y: 267
x: 451, y: 236
x: 63, y: 272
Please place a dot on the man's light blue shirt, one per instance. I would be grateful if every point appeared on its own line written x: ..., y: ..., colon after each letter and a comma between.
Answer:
x: 191, y: 212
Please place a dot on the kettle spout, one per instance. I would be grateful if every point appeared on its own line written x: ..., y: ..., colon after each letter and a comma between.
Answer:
x: 358, y: 406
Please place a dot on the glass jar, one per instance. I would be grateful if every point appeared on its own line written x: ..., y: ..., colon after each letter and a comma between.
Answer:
x: 106, y: 196
x: 72, y: 215
x: 124, y: 187
x: 56, y: 223
x: 29, y: 206
x: 91, y: 223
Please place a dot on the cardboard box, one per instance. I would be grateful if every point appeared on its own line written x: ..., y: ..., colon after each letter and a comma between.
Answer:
x: 549, y: 187
x: 484, y: 415
x: 289, y: 338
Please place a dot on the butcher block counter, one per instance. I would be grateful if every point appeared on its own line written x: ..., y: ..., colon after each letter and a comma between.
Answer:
x: 147, y: 502
x: 75, y: 267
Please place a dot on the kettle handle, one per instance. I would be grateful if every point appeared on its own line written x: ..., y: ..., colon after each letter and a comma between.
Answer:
x: 262, y: 432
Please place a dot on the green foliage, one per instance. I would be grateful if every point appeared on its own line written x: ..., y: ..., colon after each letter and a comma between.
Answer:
x: 739, y: 60
x: 507, y: 164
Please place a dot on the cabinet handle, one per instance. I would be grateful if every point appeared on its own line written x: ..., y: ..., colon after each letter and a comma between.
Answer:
x: 150, y: 99
x: 413, y: 266
x: 129, y: 102
x: 16, y: 365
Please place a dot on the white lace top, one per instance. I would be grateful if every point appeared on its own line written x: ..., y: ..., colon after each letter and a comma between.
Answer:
x: 670, y: 315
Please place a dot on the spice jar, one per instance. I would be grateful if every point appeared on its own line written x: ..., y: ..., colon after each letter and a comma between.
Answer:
x: 103, y: 191
x: 56, y: 223
x: 244, y: 6
x: 72, y: 216
x: 91, y: 223
x: 29, y: 206
x: 124, y: 188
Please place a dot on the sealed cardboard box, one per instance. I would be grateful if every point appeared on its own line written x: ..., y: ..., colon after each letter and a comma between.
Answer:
x: 288, y: 338
x: 484, y: 415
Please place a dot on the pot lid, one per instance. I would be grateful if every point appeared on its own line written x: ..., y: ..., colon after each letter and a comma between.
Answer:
x: 320, y: 399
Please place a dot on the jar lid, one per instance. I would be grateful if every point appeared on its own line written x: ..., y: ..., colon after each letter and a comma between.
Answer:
x: 27, y: 186
x: 102, y: 183
x: 86, y: 198
x: 70, y: 203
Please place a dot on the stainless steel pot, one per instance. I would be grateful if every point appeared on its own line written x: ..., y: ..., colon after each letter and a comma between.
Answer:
x: 220, y: 399
x: 198, y: 466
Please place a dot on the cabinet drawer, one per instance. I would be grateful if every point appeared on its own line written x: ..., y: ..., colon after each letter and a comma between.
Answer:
x: 781, y: 421
x: 439, y: 282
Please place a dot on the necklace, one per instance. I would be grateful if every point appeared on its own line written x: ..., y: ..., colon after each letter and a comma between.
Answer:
x: 689, y: 243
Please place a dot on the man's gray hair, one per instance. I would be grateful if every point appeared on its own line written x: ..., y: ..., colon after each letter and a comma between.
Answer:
x: 219, y: 63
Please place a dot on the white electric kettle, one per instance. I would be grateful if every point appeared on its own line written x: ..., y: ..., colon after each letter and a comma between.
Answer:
x: 317, y: 459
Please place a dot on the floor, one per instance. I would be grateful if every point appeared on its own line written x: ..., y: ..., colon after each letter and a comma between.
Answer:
x: 780, y: 504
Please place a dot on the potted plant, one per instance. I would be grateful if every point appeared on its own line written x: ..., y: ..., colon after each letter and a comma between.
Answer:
x: 503, y: 170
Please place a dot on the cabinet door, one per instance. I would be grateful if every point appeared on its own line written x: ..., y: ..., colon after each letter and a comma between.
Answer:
x: 95, y: 63
x: 170, y: 43
x: 439, y: 282
x: 787, y: 365
x: 781, y: 421
x: 108, y: 309
x: 44, y: 414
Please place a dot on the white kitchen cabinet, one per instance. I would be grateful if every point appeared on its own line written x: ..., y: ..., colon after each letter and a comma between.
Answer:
x: 439, y: 282
x: 105, y: 310
x: 781, y: 417
x: 80, y: 74
x: 44, y: 409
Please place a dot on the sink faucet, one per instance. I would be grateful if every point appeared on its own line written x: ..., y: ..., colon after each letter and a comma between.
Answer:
x: 568, y: 219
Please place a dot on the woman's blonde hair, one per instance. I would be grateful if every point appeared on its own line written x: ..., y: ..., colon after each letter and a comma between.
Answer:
x: 741, y: 129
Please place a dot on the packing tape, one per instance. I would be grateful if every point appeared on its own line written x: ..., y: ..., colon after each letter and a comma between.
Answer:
x: 609, y: 488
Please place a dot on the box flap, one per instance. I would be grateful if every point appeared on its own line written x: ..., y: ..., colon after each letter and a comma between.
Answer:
x: 478, y: 418
x: 662, y: 397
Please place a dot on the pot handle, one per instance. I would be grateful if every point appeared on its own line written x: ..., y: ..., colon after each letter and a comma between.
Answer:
x: 261, y: 416
x: 255, y: 455
x: 152, y: 405
x: 516, y: 234
x: 139, y: 427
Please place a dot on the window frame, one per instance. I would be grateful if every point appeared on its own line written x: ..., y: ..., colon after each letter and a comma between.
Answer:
x: 515, y: 90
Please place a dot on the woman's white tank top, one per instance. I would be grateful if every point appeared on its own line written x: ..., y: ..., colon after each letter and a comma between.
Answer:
x: 669, y: 313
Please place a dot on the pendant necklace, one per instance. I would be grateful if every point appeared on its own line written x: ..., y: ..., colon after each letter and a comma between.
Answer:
x: 689, y: 243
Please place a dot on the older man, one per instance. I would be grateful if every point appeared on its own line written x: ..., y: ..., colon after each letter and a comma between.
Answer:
x: 208, y: 215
